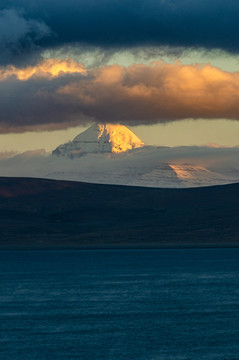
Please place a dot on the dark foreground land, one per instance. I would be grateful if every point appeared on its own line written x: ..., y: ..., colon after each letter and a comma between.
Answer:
x: 37, y: 213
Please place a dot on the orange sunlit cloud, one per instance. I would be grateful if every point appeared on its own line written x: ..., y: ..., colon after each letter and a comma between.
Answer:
x: 138, y: 94
x: 46, y: 68
x: 158, y: 92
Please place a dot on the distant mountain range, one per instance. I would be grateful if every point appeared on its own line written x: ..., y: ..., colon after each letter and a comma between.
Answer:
x: 40, y: 213
x: 112, y: 154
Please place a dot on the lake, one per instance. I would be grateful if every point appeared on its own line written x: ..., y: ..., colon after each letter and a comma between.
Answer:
x: 120, y: 304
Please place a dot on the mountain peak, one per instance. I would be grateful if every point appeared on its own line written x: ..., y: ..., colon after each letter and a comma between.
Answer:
x: 100, y: 138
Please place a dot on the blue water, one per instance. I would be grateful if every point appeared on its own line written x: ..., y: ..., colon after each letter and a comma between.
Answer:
x: 122, y: 304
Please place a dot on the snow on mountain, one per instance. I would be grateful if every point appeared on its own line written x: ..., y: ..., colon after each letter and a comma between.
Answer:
x: 112, y: 154
x: 100, y: 138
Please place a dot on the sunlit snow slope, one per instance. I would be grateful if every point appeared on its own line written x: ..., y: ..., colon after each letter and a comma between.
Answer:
x: 100, y: 138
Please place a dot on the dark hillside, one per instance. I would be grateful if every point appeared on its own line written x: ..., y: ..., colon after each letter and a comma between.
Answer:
x: 37, y: 213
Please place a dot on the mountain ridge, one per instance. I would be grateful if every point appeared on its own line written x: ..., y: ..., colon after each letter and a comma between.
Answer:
x: 112, y: 154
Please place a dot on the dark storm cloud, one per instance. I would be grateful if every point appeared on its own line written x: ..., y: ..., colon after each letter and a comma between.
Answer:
x: 19, y: 36
x: 123, y: 23
x: 59, y: 94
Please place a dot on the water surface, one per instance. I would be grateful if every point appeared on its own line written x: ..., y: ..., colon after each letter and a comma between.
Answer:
x: 120, y: 304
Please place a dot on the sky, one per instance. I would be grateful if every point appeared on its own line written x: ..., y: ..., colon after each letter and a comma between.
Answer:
x: 167, y: 69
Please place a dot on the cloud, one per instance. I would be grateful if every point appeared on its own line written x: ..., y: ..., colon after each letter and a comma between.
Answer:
x: 7, y: 154
x: 120, y: 24
x: 159, y: 92
x: 57, y: 94
x: 19, y: 36
x: 47, y: 68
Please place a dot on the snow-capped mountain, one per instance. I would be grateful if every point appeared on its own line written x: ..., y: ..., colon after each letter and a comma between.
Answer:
x: 100, y: 138
x: 112, y: 154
